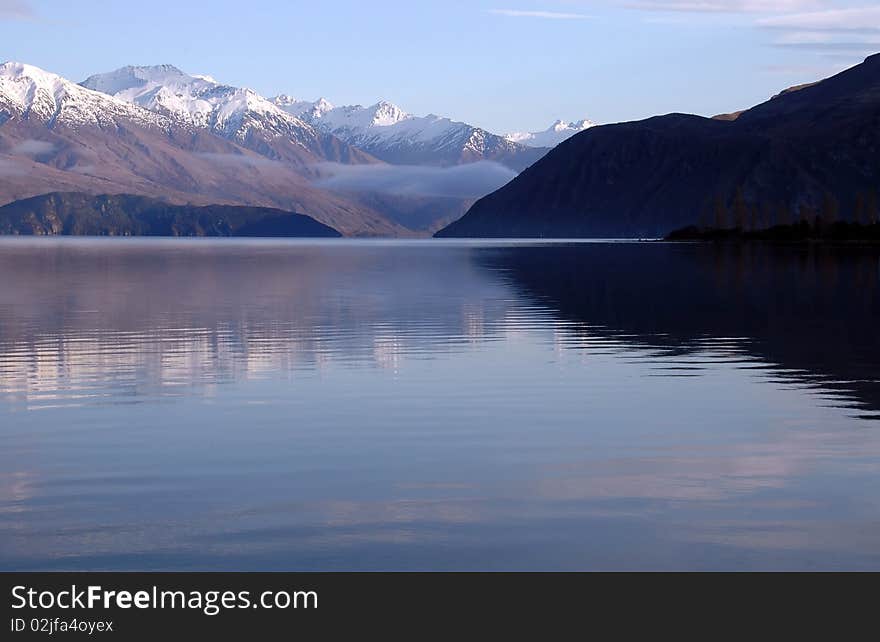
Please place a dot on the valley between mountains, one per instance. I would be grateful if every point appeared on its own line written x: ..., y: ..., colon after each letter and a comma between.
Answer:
x: 807, y: 155
x: 161, y: 133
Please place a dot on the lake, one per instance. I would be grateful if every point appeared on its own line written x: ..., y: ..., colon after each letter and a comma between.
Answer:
x: 394, y: 405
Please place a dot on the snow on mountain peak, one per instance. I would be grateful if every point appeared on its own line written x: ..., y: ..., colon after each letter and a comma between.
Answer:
x: 24, y: 86
x: 394, y: 135
x: 35, y: 93
x: 132, y: 77
x: 323, y: 105
x: 582, y: 124
x: 552, y: 136
x: 385, y: 114
x: 162, y: 88
x: 18, y: 69
x: 305, y: 109
x: 166, y: 94
x: 352, y: 120
x: 201, y: 101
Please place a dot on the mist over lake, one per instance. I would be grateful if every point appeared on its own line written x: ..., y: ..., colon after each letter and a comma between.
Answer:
x: 471, y: 180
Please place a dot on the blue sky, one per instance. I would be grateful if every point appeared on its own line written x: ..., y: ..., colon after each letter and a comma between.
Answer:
x: 502, y: 64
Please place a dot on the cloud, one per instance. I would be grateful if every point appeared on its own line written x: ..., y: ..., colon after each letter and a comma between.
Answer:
x: 813, y: 71
x: 33, y: 147
x: 9, y: 168
x: 724, y: 6
x: 462, y: 181
x: 847, y: 34
x: 818, y: 26
x: 83, y: 169
x: 550, y: 15
x: 849, y: 51
x: 237, y: 160
x: 15, y: 10
x: 818, y: 40
x: 855, y: 19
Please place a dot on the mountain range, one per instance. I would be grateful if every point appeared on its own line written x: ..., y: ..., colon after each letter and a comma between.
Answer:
x: 159, y: 132
x: 813, y: 150
x: 57, y: 136
x: 233, y: 113
x: 387, y: 132
x: 551, y: 137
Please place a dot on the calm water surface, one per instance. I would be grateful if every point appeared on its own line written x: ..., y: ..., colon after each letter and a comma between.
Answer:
x: 348, y: 405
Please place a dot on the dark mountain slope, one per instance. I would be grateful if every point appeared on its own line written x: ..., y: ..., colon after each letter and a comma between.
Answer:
x: 793, y: 154
x: 127, y: 215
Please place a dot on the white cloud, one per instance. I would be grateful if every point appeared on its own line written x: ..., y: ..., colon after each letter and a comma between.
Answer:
x: 83, y: 169
x: 826, y: 27
x: 808, y: 71
x: 33, y: 147
x: 797, y: 38
x: 725, y: 6
x: 15, y: 9
x: 461, y: 181
x: 846, y: 51
x: 848, y: 34
x: 9, y: 168
x: 237, y: 160
x: 854, y: 19
x: 551, y: 15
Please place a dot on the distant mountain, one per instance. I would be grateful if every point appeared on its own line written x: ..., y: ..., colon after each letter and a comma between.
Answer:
x: 306, y: 110
x: 234, y: 113
x: 802, y: 153
x: 56, y: 135
x: 284, y: 128
x: 387, y: 132
x: 39, y: 96
x: 551, y: 137
x: 127, y: 215
x: 160, y: 132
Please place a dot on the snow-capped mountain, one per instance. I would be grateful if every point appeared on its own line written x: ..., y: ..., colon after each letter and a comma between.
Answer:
x: 199, y: 100
x: 557, y: 132
x: 160, y: 132
x: 386, y: 131
x: 43, y: 97
x: 57, y: 136
x: 235, y: 113
x: 284, y: 127
x: 304, y: 109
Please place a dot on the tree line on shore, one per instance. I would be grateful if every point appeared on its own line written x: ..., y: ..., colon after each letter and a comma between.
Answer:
x: 739, y: 219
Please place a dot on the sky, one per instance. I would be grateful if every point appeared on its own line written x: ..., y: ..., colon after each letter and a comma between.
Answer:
x: 506, y: 65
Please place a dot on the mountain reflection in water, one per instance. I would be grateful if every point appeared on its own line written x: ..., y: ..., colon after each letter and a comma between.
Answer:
x: 809, y: 311
x: 333, y: 405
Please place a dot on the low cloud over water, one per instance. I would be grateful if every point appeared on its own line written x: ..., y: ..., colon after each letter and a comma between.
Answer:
x: 462, y: 181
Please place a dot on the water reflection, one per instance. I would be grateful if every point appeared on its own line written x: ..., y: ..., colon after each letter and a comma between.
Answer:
x: 342, y: 405
x: 810, y: 312
x: 85, y: 321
